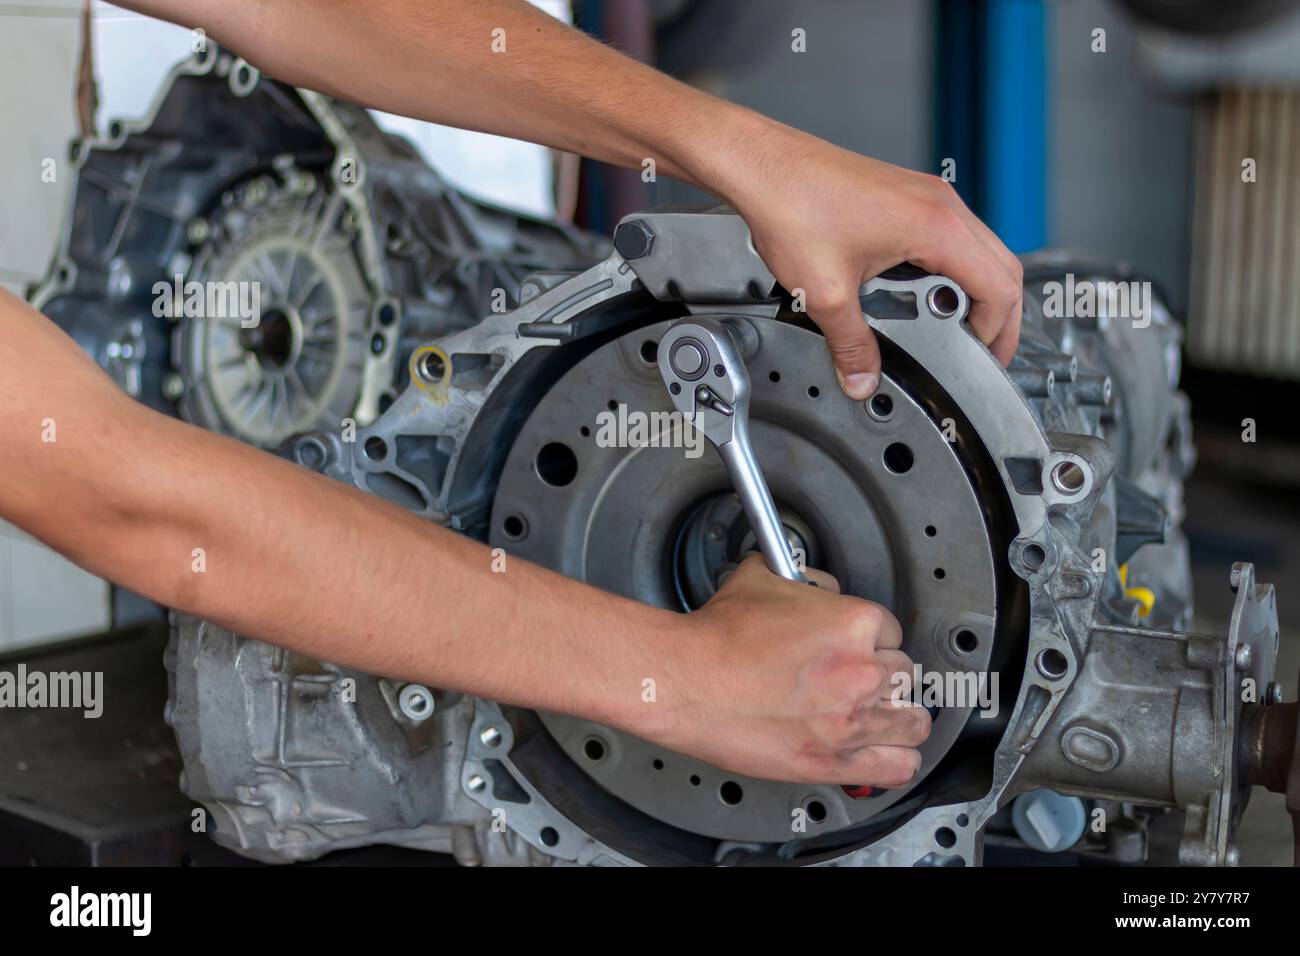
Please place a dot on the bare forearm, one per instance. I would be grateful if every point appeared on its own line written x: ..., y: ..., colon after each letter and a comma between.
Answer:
x: 204, y: 524
x: 440, y: 60
x: 307, y: 563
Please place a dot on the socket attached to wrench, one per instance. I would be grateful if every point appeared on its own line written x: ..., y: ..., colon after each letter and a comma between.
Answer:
x: 703, y: 366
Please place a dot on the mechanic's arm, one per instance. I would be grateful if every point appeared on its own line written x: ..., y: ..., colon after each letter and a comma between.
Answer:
x: 824, y: 219
x: 771, y: 679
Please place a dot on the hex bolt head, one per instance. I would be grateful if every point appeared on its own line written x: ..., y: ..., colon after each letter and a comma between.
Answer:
x: 633, y: 239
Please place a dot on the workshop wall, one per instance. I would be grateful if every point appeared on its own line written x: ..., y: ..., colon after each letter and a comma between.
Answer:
x: 1120, y: 154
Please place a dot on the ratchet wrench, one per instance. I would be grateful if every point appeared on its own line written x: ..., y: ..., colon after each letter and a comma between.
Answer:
x: 704, y: 369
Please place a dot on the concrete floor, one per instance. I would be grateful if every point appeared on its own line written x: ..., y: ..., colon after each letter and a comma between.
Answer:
x: 1229, y: 520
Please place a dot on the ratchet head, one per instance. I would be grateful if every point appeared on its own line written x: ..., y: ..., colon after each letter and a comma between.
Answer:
x: 705, y: 373
x: 703, y: 366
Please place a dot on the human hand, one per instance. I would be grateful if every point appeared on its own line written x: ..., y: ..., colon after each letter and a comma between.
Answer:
x: 783, y: 681
x: 825, y: 220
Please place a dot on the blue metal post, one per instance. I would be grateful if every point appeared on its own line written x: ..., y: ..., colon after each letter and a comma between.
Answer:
x: 1013, y: 166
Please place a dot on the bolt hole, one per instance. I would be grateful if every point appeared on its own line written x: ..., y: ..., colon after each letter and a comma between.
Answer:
x: 774, y: 377
x: 1033, y: 556
x: 515, y: 527
x: 556, y: 464
x: 945, y: 837
x: 966, y: 641
x: 657, y: 764
x: 816, y: 811
x: 650, y: 352
x: 376, y: 448
x: 881, y: 406
x: 695, y: 780
x: 584, y: 431
x: 549, y: 836
x: 943, y: 301
x: 931, y: 531
x: 418, y: 702
x: 962, y: 820
x: 431, y: 367
x: 940, y: 574
x: 1052, y: 664
x: 731, y: 793
x: 813, y: 391
x: 1068, y: 477
x: 898, y: 458
x: 594, y: 748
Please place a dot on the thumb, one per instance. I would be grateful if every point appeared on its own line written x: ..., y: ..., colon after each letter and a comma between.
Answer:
x: 852, y: 343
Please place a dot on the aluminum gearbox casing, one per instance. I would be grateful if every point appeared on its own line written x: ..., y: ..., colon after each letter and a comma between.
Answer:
x: 1034, y: 505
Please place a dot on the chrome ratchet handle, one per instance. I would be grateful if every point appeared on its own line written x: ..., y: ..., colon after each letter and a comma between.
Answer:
x: 708, y: 382
x: 760, y: 509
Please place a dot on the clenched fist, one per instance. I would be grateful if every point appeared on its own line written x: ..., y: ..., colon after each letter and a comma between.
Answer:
x: 783, y: 681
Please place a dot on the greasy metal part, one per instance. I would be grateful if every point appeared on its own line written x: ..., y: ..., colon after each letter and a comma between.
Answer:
x: 1021, y: 467
x: 705, y: 374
